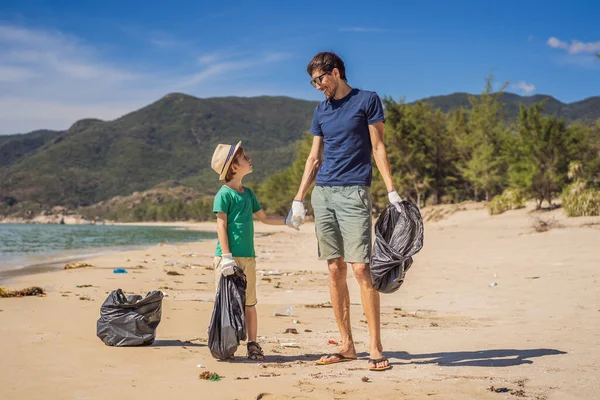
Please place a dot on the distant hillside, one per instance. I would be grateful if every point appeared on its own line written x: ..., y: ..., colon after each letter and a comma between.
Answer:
x: 588, y: 109
x: 170, y: 140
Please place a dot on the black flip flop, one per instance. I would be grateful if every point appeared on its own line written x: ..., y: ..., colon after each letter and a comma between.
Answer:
x: 375, y: 362
x: 340, y: 358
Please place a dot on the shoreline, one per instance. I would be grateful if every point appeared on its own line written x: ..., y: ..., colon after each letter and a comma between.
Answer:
x: 32, y: 265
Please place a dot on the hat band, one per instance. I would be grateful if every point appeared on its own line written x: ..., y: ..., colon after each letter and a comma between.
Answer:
x: 231, y: 150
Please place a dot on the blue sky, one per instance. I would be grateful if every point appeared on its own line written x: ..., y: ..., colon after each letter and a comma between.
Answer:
x: 65, y: 60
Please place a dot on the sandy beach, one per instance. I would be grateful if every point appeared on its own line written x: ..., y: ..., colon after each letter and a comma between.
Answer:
x: 491, y: 309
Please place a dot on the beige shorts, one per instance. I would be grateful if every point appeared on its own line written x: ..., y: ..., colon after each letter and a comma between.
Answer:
x: 248, y: 265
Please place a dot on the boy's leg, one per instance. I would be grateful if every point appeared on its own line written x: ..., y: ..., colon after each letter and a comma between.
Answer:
x: 248, y: 265
x: 251, y: 323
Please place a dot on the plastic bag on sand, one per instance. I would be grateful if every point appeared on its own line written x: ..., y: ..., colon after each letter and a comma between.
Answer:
x: 227, y: 324
x: 129, y: 321
x: 398, y: 236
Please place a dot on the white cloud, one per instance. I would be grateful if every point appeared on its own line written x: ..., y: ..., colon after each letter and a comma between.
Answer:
x: 362, y: 29
x: 576, y: 46
x: 524, y: 87
x: 50, y: 80
x: 15, y: 74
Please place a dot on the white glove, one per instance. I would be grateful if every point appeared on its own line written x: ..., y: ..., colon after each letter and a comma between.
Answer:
x: 395, y: 200
x: 290, y: 222
x: 296, y: 215
x: 227, y: 264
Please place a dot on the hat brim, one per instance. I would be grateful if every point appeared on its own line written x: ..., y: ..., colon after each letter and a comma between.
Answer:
x: 228, y: 163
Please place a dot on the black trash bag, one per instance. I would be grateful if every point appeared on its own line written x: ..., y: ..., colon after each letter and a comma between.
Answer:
x: 129, y: 321
x: 398, y: 237
x: 228, y: 323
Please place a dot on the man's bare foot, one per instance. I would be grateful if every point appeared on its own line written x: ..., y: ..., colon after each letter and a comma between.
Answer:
x: 345, y: 354
x: 378, y: 362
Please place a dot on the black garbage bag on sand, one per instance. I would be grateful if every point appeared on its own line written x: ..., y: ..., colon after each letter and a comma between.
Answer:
x: 129, y: 321
x: 398, y: 237
x: 228, y: 323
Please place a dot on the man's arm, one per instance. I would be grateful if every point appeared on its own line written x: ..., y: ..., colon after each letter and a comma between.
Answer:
x: 380, y: 154
x: 313, y: 163
x: 269, y: 219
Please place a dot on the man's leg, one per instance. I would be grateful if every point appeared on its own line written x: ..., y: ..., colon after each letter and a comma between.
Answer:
x: 370, y: 301
x: 340, y: 300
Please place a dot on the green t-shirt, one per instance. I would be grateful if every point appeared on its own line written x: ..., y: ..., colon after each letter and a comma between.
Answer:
x: 239, y: 208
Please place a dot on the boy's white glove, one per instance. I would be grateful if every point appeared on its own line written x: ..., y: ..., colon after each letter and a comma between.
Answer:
x: 395, y: 200
x: 296, y: 215
x: 227, y: 264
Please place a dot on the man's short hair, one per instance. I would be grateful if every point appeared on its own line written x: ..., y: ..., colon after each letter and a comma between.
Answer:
x: 325, y: 62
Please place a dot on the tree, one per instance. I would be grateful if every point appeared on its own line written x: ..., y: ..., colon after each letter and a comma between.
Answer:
x: 483, y: 164
x: 542, y: 151
x: 421, y: 152
x: 277, y: 192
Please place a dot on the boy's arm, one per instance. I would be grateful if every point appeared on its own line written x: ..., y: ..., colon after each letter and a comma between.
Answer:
x: 222, y: 232
x: 269, y: 219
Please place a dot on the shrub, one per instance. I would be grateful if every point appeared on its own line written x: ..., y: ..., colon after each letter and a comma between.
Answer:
x: 579, y: 201
x: 510, y: 199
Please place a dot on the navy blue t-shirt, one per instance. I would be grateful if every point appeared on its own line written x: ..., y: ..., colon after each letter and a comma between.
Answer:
x: 344, y: 126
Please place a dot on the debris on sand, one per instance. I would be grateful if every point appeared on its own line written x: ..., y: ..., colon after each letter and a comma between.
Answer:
x: 241, y: 378
x: 77, y: 264
x: 321, y: 305
x: 291, y: 330
x: 30, y: 291
x: 269, y: 375
x: 365, y: 379
x: 210, y: 376
x: 88, y: 298
x: 174, y: 273
x: 84, y: 286
x: 498, y: 390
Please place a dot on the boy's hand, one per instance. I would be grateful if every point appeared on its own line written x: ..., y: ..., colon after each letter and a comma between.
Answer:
x: 227, y: 264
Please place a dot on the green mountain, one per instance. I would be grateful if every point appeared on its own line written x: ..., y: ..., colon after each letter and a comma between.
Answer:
x: 171, y: 140
x: 170, y: 143
x: 588, y: 109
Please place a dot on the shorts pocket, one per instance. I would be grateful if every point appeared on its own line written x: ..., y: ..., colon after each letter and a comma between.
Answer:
x: 364, y: 195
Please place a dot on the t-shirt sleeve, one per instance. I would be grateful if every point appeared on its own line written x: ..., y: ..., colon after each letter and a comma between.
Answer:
x: 255, y: 204
x: 374, y: 109
x: 315, y: 128
x: 221, y: 203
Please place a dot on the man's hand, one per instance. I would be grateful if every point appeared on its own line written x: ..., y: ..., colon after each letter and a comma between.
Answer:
x: 296, y: 215
x: 227, y: 264
x: 395, y: 200
x: 290, y: 222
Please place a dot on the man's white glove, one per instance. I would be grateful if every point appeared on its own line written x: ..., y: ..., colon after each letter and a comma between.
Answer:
x: 395, y: 200
x: 227, y: 264
x: 296, y: 215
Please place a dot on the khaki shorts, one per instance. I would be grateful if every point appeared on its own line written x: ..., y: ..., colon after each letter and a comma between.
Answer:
x: 248, y: 265
x: 343, y: 222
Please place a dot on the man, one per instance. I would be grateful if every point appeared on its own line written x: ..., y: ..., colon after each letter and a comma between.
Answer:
x: 348, y: 129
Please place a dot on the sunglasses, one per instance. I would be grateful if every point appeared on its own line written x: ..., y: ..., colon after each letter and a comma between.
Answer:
x: 318, y: 80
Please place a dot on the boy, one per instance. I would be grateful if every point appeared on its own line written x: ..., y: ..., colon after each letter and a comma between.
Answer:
x: 234, y: 205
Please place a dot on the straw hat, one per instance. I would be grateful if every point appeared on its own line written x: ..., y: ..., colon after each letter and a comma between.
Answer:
x: 222, y: 158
